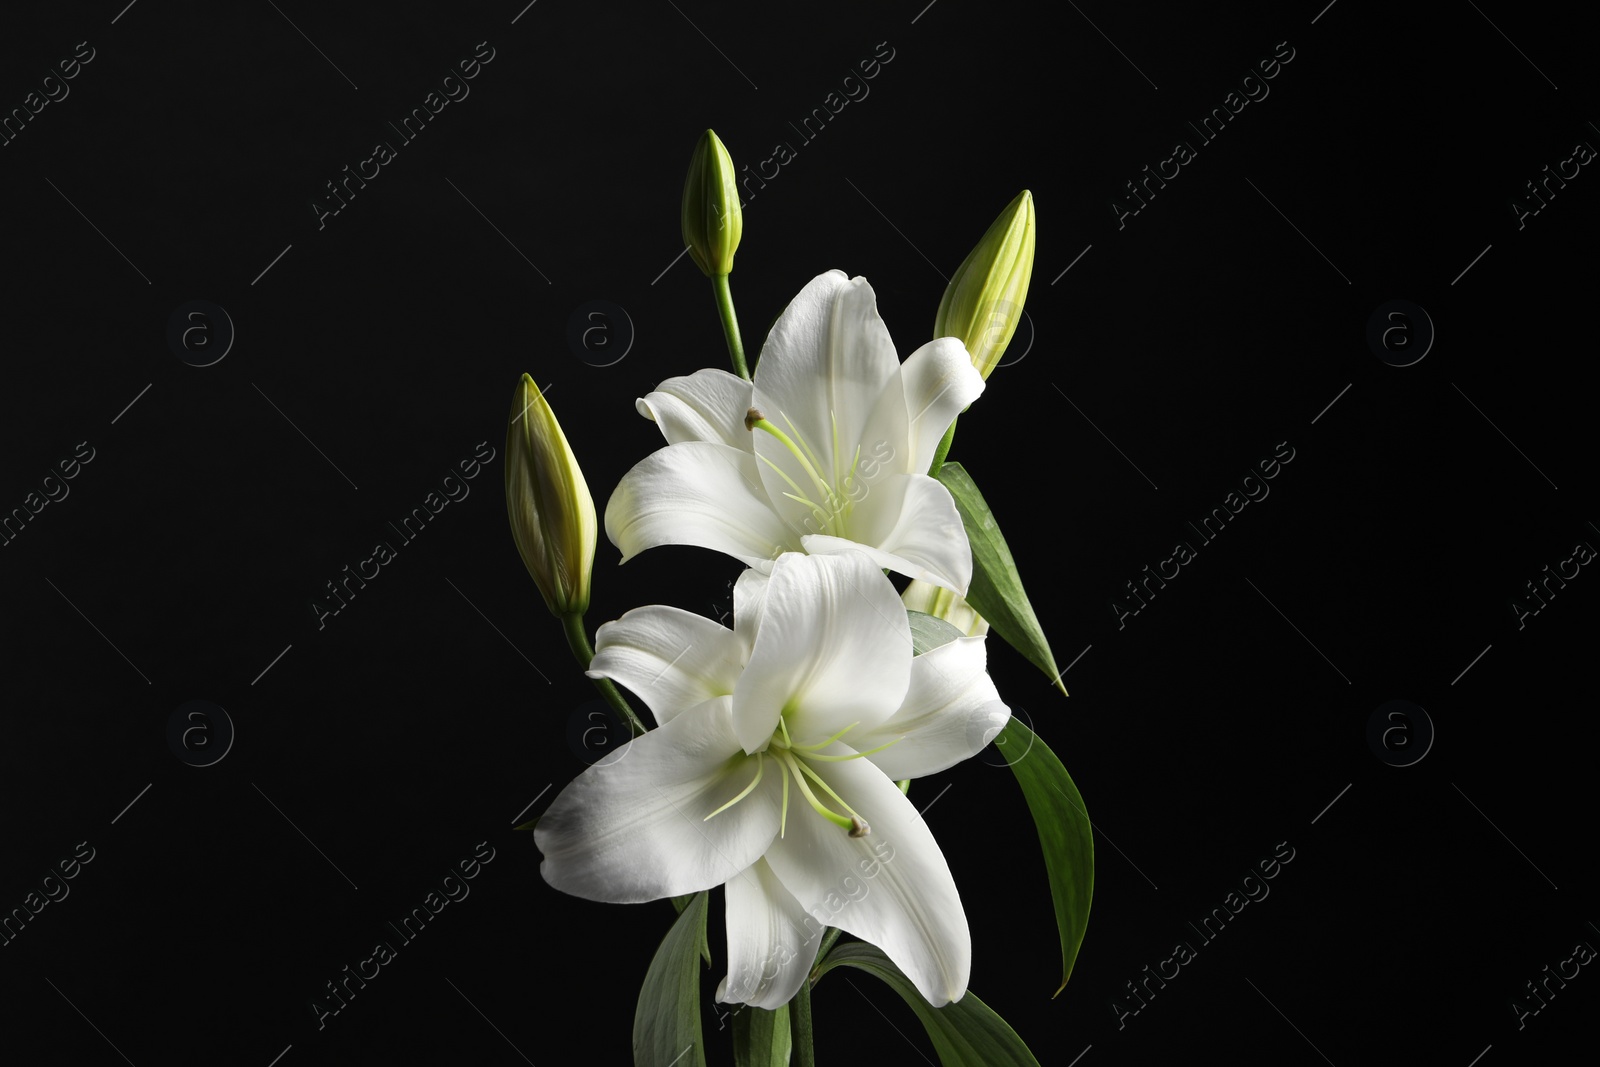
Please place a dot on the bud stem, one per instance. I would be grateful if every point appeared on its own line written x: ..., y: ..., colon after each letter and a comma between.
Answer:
x: 578, y: 641
x: 730, y: 324
x: 943, y: 450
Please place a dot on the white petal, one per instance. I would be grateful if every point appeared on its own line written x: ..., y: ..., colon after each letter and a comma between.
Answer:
x: 833, y: 648
x: 951, y: 711
x: 825, y: 364
x: 749, y: 600
x: 632, y: 827
x: 772, y: 942
x: 891, y: 887
x: 939, y: 381
x: 708, y: 405
x: 673, y: 659
x: 696, y: 493
x: 912, y: 518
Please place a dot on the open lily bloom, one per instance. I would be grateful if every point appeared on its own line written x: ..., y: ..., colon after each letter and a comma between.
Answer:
x: 773, y: 771
x: 827, y: 451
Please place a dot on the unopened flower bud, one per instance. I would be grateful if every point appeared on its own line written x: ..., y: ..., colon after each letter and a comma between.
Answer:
x: 983, y: 302
x: 941, y: 603
x: 552, y: 513
x: 712, y: 218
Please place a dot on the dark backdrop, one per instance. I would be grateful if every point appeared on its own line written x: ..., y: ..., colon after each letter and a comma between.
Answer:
x: 1169, y: 352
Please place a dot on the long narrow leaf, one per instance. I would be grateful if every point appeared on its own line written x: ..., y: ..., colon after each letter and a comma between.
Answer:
x: 666, y: 1024
x: 965, y: 1034
x: 1066, y: 836
x: 705, y: 947
x: 996, y: 590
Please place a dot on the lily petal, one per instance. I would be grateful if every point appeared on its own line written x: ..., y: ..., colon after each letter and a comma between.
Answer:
x: 708, y: 405
x: 891, y: 887
x: 633, y: 827
x: 952, y: 710
x: 939, y: 382
x: 912, y: 520
x: 833, y: 649
x: 749, y: 601
x: 772, y: 942
x: 696, y: 493
x: 673, y: 659
x: 826, y: 362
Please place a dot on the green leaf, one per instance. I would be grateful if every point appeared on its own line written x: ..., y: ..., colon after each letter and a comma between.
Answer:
x: 966, y: 1034
x: 996, y: 590
x: 761, y: 1037
x: 705, y: 947
x: 929, y: 631
x: 666, y: 1024
x: 1066, y: 836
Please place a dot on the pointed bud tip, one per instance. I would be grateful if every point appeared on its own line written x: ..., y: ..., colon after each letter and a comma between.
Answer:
x: 983, y: 303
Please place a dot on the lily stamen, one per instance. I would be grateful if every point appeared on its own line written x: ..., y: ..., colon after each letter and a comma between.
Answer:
x: 828, y: 789
x: 809, y: 451
x: 796, y: 766
x: 797, y: 495
x: 783, y: 817
x: 794, y: 450
x: 761, y: 767
x: 829, y: 741
x: 857, y: 755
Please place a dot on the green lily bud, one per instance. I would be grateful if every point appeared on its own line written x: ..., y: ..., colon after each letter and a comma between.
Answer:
x: 712, y: 218
x: 941, y: 603
x: 983, y: 302
x: 552, y: 513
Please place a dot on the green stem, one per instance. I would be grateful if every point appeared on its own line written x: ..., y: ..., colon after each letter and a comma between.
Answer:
x: 828, y: 940
x: 578, y: 641
x: 800, y: 1027
x: 730, y: 324
x: 943, y: 451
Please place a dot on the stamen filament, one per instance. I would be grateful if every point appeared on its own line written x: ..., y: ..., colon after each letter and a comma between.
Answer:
x: 826, y: 788
x: 829, y: 741
x: 857, y: 755
x: 796, y: 766
x: 806, y: 445
x: 835, y: 420
x: 783, y: 818
x: 794, y: 450
x: 761, y: 766
x: 801, y: 497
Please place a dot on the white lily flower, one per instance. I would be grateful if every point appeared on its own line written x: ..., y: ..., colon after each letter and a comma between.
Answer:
x: 813, y: 697
x: 827, y: 451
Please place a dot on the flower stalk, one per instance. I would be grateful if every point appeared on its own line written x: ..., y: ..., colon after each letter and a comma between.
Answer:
x: 800, y: 1027
x: 578, y: 641
x: 730, y: 325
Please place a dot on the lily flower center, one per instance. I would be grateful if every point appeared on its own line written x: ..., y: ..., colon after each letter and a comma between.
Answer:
x: 793, y: 763
x: 837, y: 494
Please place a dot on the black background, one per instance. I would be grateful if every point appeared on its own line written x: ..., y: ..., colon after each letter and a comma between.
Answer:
x: 376, y: 351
